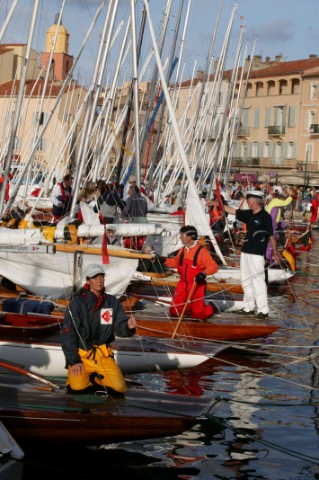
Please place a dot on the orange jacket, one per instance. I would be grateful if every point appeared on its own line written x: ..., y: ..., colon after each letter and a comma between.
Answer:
x: 204, y: 262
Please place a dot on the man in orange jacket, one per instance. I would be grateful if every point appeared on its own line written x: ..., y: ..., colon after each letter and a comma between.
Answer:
x: 193, y: 263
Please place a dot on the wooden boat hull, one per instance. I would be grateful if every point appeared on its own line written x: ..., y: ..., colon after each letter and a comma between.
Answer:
x: 34, y: 413
x: 29, y: 326
x: 219, y: 327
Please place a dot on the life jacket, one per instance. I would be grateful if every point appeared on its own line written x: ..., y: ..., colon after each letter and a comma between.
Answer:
x: 215, y: 214
x: 188, y: 268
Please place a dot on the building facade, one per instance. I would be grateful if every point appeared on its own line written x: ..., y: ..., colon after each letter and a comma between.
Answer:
x: 279, y: 123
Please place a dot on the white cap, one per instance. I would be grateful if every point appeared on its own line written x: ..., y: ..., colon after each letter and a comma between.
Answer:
x: 93, y: 270
x: 278, y: 189
x: 255, y: 193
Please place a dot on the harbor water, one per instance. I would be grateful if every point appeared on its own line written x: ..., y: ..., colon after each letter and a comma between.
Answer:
x: 265, y: 421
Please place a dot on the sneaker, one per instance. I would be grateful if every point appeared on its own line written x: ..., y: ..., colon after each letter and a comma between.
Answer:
x: 262, y: 316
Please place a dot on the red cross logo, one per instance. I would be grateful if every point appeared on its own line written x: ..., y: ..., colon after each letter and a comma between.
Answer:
x: 106, y: 316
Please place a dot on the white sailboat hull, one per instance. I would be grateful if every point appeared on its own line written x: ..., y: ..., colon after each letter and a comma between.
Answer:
x: 132, y: 355
x: 52, y: 275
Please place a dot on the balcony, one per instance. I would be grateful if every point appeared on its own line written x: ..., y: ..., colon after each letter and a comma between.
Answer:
x: 314, y: 130
x: 276, y: 131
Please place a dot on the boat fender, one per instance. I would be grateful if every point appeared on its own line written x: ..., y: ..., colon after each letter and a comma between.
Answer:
x: 48, y: 233
x: 70, y: 234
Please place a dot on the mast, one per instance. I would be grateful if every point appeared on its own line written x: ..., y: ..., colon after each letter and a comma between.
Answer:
x: 7, y: 20
x: 169, y: 73
x: 95, y: 89
x: 18, y: 107
x: 135, y: 95
x: 129, y: 109
x: 201, y: 222
x: 55, y: 106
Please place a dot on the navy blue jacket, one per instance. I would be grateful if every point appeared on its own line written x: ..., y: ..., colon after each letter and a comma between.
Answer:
x: 82, y: 326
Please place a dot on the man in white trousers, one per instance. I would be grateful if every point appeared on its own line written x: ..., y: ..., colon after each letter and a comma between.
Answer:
x: 252, y: 259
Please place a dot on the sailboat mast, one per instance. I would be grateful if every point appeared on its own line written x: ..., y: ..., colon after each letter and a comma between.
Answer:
x: 129, y: 109
x: 169, y: 73
x: 95, y: 89
x: 135, y: 95
x: 7, y: 20
x: 18, y: 106
x: 55, y: 106
x: 191, y: 187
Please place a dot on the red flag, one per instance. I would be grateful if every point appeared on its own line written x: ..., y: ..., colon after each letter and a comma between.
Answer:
x: 219, y: 198
x: 105, y: 253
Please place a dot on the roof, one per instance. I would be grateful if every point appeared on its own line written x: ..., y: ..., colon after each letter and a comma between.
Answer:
x: 287, y: 68
x: 36, y: 87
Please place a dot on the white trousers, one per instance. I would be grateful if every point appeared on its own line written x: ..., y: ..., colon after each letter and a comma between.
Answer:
x: 252, y: 273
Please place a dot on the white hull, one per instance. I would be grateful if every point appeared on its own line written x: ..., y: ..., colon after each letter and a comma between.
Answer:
x: 275, y: 275
x: 52, y: 275
x: 139, y: 356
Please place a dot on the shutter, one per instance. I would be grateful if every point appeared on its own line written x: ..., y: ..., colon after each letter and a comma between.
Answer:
x: 245, y: 117
x: 268, y: 117
x: 291, y: 116
x: 284, y: 113
x: 256, y: 117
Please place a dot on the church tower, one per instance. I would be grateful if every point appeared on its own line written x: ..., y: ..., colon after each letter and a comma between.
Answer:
x: 61, y: 62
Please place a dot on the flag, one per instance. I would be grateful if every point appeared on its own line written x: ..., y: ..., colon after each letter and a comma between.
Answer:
x: 306, y: 240
x: 290, y: 255
x: 105, y: 253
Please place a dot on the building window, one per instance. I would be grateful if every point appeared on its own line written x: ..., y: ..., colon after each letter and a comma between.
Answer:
x: 266, y: 150
x: 271, y: 88
x: 292, y: 117
x: 256, y: 117
x: 295, y: 84
x: 254, y: 150
x: 314, y: 90
x: 268, y: 117
x: 259, y: 89
x: 291, y: 150
x: 310, y: 119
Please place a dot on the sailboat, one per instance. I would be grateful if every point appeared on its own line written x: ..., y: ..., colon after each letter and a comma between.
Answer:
x: 36, y: 410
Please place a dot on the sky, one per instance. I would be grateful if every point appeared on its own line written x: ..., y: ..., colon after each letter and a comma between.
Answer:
x: 272, y: 27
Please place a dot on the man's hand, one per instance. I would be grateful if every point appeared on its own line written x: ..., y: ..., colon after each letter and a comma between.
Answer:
x: 159, y: 258
x: 131, y: 322
x: 200, y: 277
x: 77, y: 369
